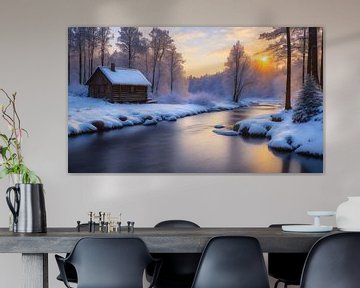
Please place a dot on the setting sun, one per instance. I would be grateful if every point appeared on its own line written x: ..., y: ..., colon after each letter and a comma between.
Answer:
x: 263, y: 63
x: 264, y: 59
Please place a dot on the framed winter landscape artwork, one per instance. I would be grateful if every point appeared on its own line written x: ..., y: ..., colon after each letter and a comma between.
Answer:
x: 195, y: 99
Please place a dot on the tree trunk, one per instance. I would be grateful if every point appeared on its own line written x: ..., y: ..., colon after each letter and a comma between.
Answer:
x: 89, y: 65
x: 303, y: 56
x: 322, y: 60
x: 313, y: 54
x: 153, y: 76
x: 92, y: 62
x: 288, y: 71
x: 80, y: 60
x: 129, y: 56
x: 102, y: 52
x: 69, y: 65
x: 85, y: 62
x: 308, y: 66
x: 159, y: 70
x: 171, y: 73
x: 146, y: 64
x: 235, y: 96
x: 158, y: 79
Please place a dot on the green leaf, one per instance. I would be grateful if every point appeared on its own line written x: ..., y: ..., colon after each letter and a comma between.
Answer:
x: 26, y: 132
x: 3, y: 151
x: 4, y: 173
x: 4, y: 137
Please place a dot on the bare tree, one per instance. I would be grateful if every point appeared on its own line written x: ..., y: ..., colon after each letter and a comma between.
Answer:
x: 84, y: 52
x: 131, y: 42
x: 104, y: 37
x: 236, y: 67
x: 175, y: 62
x: 93, y: 43
x: 71, y: 46
x: 160, y: 42
x: 79, y: 40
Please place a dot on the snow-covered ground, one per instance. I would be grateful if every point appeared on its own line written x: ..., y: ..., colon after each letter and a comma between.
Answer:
x: 304, y: 138
x: 90, y: 115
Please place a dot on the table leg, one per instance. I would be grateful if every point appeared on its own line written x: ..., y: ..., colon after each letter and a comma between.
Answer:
x: 35, y: 270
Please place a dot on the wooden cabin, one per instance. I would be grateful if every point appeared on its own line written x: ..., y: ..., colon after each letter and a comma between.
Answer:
x: 118, y: 85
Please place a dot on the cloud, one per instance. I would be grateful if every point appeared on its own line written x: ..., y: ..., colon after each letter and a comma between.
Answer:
x: 189, y: 36
x: 222, y: 53
x: 206, y: 49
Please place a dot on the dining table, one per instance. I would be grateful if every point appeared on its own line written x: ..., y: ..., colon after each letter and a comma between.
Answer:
x: 35, y: 247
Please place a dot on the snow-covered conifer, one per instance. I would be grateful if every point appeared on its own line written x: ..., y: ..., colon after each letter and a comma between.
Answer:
x: 309, y: 101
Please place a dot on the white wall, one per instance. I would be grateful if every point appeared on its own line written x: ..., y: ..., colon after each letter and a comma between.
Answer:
x: 33, y: 62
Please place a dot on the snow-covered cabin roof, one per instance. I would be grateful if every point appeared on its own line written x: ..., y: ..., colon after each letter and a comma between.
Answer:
x: 124, y: 76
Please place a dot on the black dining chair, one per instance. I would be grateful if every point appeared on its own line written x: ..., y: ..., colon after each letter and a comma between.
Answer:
x: 178, y: 269
x: 232, y: 262
x: 70, y: 271
x: 286, y: 267
x: 108, y: 263
x: 333, y: 262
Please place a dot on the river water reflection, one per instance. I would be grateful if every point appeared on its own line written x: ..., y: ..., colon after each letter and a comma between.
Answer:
x: 185, y: 146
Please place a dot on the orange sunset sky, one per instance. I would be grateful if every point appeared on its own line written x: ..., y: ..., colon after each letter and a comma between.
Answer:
x: 205, y: 49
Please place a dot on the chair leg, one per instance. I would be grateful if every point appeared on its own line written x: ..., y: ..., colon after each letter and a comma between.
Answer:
x: 277, y: 283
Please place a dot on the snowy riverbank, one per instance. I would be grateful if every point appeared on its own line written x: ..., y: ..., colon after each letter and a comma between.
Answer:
x: 88, y: 115
x: 303, y: 138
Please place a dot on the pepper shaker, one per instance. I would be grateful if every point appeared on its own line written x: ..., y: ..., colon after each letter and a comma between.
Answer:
x: 78, y: 226
x: 90, y: 221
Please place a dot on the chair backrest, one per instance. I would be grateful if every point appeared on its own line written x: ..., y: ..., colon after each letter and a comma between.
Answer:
x: 232, y: 262
x: 176, y: 224
x: 110, y: 262
x: 177, y: 267
x: 333, y: 262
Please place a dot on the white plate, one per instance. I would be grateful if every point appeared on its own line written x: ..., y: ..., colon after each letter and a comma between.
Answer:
x: 350, y: 229
x: 321, y: 213
x: 306, y: 228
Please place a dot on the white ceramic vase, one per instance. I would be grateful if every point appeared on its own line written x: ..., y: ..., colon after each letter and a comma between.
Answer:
x: 348, y: 214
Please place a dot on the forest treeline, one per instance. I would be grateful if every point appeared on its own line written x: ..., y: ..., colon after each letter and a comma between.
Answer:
x: 156, y: 56
x: 294, y: 51
x: 303, y: 45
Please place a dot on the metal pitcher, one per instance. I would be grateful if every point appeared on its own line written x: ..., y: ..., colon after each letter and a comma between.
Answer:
x: 28, y: 208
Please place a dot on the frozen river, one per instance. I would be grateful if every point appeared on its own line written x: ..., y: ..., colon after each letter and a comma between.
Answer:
x: 185, y: 146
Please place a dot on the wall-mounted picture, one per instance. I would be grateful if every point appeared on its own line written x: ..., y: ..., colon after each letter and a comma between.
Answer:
x: 195, y: 99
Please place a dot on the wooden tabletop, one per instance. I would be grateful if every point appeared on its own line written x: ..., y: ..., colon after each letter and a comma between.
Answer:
x: 158, y: 240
